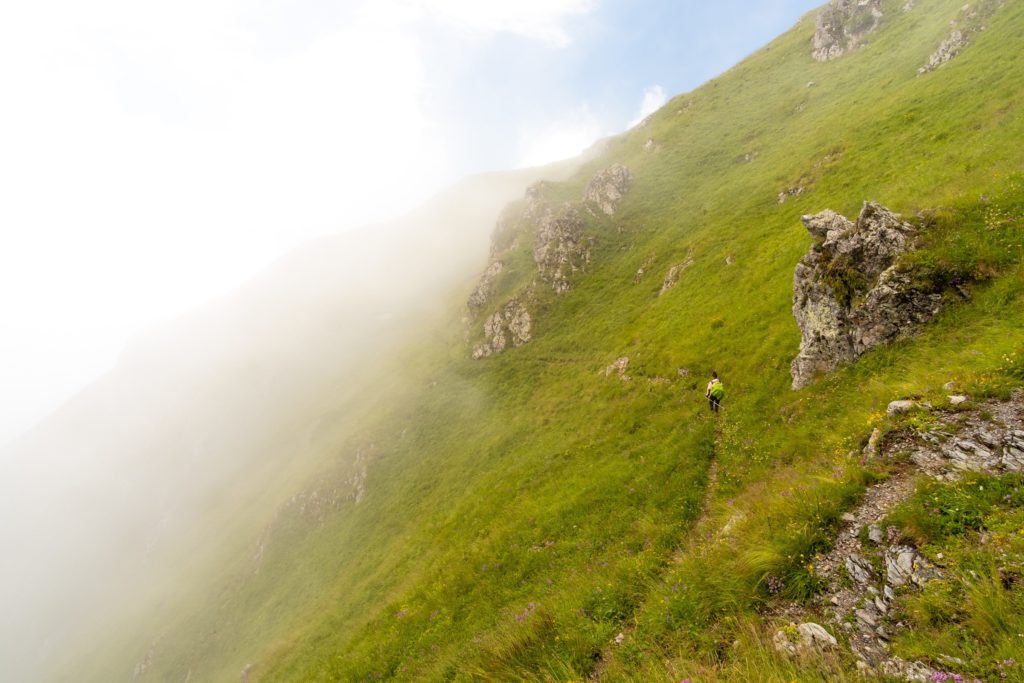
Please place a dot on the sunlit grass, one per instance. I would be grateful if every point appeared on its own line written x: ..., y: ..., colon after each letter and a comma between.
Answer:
x: 523, y: 511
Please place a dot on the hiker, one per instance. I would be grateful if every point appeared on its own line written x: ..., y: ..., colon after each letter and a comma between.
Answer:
x: 715, y: 392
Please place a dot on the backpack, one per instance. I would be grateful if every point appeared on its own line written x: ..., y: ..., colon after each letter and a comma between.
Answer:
x: 717, y: 390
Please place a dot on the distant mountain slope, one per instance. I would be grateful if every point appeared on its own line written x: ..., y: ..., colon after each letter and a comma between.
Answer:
x: 564, y: 507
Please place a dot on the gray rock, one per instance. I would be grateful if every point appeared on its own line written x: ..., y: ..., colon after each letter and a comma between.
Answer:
x: 619, y: 368
x: 842, y: 26
x: 608, y: 188
x: 849, y: 294
x: 561, y: 248
x: 875, y: 534
x: 814, y: 638
x: 956, y: 400
x: 949, y: 49
x: 811, y: 639
x: 478, y: 299
x: 783, y: 645
x: 867, y: 619
x: 1013, y: 451
x: 907, y: 671
x: 969, y: 455
x: 510, y: 325
x: 673, y: 274
x: 859, y: 570
x: 870, y: 451
x: 904, y: 565
x: 900, y: 407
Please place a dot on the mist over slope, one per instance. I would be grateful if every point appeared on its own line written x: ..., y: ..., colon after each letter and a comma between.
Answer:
x: 108, y: 502
x: 563, y: 507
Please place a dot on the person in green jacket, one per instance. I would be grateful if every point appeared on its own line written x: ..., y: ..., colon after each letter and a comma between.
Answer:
x: 715, y: 392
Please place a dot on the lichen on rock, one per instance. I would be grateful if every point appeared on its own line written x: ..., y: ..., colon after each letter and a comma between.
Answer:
x: 849, y: 292
x: 842, y: 26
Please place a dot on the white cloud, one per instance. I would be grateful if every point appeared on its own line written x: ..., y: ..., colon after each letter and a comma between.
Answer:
x: 541, y: 20
x: 158, y: 154
x: 653, y: 100
x: 560, y: 139
x: 154, y: 158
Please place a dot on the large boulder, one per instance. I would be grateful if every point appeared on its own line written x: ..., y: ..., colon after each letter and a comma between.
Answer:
x: 849, y: 292
x: 842, y: 26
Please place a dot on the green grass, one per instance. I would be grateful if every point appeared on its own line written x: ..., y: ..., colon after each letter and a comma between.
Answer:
x: 522, y: 511
x: 975, y: 611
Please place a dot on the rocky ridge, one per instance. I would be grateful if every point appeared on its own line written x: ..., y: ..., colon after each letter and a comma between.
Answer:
x: 968, y: 22
x: 860, y: 592
x: 673, y: 275
x: 849, y: 291
x: 561, y: 250
x: 509, y: 326
x: 609, y: 187
x: 842, y: 26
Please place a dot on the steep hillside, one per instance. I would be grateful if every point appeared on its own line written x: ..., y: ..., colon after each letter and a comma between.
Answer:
x: 541, y: 493
x: 175, y: 458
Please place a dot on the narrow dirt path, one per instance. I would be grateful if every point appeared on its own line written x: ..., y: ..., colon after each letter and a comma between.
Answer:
x: 710, y: 485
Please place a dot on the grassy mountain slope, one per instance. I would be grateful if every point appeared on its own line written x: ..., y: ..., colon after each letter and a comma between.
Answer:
x: 176, y: 458
x: 507, y: 518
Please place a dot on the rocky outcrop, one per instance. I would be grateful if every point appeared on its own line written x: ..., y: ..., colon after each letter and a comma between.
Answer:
x: 794, y: 191
x: 508, y: 326
x: 849, y: 293
x: 810, y: 638
x: 642, y: 270
x: 608, y: 188
x: 561, y: 248
x: 969, y: 21
x: 482, y: 292
x: 991, y: 446
x: 949, y: 49
x: 673, y: 274
x: 618, y: 368
x: 860, y: 597
x: 843, y: 25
